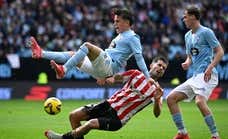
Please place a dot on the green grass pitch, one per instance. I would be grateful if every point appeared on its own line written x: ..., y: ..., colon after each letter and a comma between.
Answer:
x: 21, y: 119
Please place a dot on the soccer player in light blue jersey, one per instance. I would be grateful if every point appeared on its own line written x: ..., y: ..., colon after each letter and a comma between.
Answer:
x: 95, y: 61
x: 203, y: 53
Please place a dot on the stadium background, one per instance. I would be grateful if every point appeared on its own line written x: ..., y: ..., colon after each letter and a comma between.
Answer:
x: 64, y: 25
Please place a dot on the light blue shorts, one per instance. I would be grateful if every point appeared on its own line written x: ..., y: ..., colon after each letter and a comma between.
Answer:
x: 101, y: 67
x: 196, y: 85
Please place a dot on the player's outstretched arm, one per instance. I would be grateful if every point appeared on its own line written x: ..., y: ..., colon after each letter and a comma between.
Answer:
x: 142, y: 65
x: 158, y: 101
x: 101, y: 81
x: 118, y: 78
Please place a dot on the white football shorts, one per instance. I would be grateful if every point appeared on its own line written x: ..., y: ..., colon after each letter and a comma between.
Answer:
x: 101, y: 67
x: 197, y: 85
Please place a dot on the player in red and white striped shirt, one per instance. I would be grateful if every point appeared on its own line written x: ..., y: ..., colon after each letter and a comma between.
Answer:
x: 114, y: 112
x: 134, y: 96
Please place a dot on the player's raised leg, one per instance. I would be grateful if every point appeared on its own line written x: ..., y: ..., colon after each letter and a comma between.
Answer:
x: 87, y: 49
x: 38, y: 52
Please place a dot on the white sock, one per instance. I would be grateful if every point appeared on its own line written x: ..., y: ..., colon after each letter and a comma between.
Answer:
x: 215, y: 134
x: 182, y: 131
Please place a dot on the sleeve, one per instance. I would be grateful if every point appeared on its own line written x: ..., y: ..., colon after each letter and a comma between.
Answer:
x: 211, y: 39
x: 136, y: 47
x: 186, y: 44
x: 135, y: 44
x: 142, y: 65
x: 127, y: 75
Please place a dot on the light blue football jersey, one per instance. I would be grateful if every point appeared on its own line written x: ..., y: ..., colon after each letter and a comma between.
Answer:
x: 200, y: 46
x: 122, y: 47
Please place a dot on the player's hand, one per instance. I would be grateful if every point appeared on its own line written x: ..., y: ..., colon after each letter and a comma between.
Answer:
x: 110, y: 80
x: 159, y: 90
x: 150, y: 80
x: 185, y: 65
x: 100, y: 81
x: 207, y: 73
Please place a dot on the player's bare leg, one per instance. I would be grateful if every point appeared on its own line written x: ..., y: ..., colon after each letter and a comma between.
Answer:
x: 207, y: 114
x: 76, y: 116
x: 84, y: 129
x: 77, y: 133
x: 172, y: 101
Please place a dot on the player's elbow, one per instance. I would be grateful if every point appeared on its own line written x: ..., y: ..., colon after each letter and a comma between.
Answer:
x: 220, y: 51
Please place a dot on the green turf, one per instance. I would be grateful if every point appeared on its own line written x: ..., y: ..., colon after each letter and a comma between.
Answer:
x: 27, y: 120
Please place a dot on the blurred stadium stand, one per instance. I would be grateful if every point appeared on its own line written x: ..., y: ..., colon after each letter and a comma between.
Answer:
x: 64, y: 25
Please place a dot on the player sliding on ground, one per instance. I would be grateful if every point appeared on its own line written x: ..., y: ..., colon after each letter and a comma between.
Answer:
x: 115, y: 112
x: 95, y: 61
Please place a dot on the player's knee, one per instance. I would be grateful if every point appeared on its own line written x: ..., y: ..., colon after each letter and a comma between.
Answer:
x: 198, y: 102
x: 92, y: 124
x: 85, y: 47
x: 72, y: 115
x: 170, y: 99
x: 71, y: 53
x: 76, y: 114
x: 87, y: 44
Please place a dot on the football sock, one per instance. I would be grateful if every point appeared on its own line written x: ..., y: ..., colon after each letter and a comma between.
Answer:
x: 76, y: 58
x: 177, y: 118
x: 70, y: 136
x: 59, y: 57
x: 211, y: 124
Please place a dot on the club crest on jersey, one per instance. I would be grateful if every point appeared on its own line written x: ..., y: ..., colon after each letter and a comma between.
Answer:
x: 194, y: 51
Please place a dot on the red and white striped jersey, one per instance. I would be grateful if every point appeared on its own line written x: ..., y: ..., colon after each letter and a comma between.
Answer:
x: 136, y: 94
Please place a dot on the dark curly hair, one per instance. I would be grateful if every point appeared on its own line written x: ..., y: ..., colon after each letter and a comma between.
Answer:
x: 193, y: 10
x: 125, y: 14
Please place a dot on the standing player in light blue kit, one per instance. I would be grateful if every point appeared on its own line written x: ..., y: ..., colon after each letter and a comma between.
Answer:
x: 201, y: 44
x: 92, y: 59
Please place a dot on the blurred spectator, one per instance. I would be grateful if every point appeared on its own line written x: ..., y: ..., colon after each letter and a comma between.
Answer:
x: 64, y: 24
